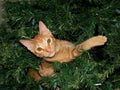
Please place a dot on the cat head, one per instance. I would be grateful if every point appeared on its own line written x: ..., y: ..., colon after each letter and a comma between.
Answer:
x: 43, y: 44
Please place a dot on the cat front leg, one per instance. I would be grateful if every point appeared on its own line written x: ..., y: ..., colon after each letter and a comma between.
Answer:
x: 46, y: 68
x: 93, y: 42
x: 90, y: 43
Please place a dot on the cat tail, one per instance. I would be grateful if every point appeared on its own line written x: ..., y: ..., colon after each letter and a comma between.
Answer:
x: 34, y: 74
x: 90, y: 43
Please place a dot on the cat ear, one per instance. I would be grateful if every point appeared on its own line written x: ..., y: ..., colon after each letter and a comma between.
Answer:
x: 43, y: 29
x: 27, y: 43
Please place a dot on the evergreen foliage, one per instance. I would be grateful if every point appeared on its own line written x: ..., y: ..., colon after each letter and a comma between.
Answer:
x: 72, y: 20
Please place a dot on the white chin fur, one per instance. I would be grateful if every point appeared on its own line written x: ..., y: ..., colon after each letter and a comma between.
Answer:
x: 52, y: 54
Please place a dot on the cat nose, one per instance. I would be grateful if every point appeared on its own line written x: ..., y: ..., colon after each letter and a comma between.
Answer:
x: 48, y: 50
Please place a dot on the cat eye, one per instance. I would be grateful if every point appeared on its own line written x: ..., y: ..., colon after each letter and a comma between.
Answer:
x: 39, y: 48
x: 48, y: 41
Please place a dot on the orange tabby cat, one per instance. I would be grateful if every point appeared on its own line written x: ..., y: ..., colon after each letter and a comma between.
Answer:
x: 51, y: 50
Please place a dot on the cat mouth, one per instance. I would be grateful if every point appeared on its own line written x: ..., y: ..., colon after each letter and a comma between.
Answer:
x: 51, y: 54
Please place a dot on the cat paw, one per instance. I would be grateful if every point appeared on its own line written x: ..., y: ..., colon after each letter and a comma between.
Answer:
x: 99, y: 40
